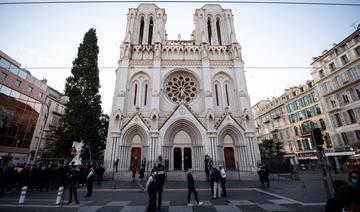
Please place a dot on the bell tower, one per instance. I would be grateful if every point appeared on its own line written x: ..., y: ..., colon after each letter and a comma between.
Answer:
x: 214, y: 26
x: 145, y: 25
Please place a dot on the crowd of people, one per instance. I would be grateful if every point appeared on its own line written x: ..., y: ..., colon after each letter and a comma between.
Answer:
x: 48, y: 177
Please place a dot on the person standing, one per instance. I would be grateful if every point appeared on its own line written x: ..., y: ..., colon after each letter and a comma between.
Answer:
x: 151, y: 188
x: 116, y: 164
x: 133, y: 170
x: 160, y: 179
x: 141, y: 178
x: 99, y: 173
x: 216, y: 179
x: 89, y: 181
x: 263, y: 173
x: 73, y: 178
x: 207, y: 171
x: 223, y: 180
x: 191, y: 188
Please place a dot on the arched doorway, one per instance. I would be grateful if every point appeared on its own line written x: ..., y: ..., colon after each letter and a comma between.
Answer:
x: 183, y: 146
x: 177, y: 158
x: 182, y: 157
x: 232, y: 149
x: 136, y: 156
x: 133, y: 147
x: 229, y: 158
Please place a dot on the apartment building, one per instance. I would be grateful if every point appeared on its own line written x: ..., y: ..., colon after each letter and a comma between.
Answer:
x: 290, y: 119
x: 336, y: 73
x: 55, y: 109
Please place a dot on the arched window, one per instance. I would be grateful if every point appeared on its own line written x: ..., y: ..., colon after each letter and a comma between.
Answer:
x: 145, y: 94
x: 209, y: 30
x: 151, y: 25
x: 218, y: 30
x: 135, y: 93
x: 227, y: 95
x: 217, y: 95
x: 141, y: 30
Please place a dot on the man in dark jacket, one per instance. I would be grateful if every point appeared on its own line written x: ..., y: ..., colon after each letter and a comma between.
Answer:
x: 89, y: 181
x: 151, y: 188
x: 216, y: 177
x: 99, y: 173
x: 73, y: 180
x: 191, y: 188
x: 263, y: 173
x: 160, y: 179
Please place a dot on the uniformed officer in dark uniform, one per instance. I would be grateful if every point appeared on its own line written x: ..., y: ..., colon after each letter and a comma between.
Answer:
x: 160, y: 179
x: 151, y: 188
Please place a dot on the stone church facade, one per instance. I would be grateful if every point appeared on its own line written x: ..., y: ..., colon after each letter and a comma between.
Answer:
x: 181, y: 99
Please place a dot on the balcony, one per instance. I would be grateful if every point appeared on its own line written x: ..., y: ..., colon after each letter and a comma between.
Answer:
x: 276, y: 116
x: 305, y: 133
x: 267, y: 121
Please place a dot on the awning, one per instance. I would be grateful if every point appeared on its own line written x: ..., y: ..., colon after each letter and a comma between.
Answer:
x: 307, y: 158
x: 357, y: 156
x: 340, y: 153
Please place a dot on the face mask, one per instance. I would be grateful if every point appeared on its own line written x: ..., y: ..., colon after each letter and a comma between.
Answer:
x: 354, y: 181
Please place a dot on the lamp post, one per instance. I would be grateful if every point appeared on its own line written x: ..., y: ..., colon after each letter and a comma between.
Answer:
x: 38, y: 144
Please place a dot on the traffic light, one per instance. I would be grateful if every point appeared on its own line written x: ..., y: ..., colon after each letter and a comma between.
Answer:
x: 318, y: 138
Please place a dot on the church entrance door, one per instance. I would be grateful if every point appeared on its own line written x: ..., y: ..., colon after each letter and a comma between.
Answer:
x: 177, y: 158
x: 229, y: 158
x: 136, y: 156
x: 187, y: 158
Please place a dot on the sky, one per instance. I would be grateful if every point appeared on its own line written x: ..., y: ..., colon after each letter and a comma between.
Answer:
x: 273, y: 39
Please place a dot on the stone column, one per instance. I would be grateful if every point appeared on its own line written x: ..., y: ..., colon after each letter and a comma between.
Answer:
x: 153, y: 147
x: 115, y: 135
x: 182, y: 158
x: 212, y: 139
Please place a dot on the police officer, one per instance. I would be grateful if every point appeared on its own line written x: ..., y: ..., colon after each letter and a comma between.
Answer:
x: 160, y: 179
x: 151, y: 188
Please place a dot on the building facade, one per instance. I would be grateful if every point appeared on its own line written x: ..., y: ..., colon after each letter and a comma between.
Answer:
x: 24, y: 112
x: 331, y: 102
x: 336, y: 73
x: 53, y: 110
x: 181, y: 99
x: 290, y: 119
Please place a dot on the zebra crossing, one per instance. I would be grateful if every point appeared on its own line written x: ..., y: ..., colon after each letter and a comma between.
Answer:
x: 231, y: 206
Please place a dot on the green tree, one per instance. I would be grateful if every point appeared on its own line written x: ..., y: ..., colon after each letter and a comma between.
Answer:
x: 83, y: 111
x: 271, y: 149
x: 58, y: 143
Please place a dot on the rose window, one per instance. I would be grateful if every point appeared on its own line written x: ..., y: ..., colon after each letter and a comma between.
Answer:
x: 181, y: 87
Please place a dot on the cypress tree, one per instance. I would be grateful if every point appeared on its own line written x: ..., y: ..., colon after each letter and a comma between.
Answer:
x: 83, y: 111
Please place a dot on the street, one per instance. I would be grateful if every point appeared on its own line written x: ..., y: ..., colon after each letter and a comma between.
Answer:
x: 283, y: 195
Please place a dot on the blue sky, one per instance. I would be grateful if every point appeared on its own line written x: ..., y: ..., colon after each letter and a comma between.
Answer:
x: 270, y: 36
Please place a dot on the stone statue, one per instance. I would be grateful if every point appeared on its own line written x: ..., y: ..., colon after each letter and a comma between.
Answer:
x: 77, y: 159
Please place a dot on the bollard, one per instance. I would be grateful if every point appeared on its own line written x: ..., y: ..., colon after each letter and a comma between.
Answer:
x: 22, y: 195
x: 59, y: 196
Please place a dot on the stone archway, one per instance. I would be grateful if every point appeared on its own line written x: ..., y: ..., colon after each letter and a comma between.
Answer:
x: 232, y: 148
x: 133, y: 146
x: 183, y: 141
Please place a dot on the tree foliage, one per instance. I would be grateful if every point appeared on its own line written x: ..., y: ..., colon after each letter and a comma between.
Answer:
x: 82, y: 119
x: 271, y: 149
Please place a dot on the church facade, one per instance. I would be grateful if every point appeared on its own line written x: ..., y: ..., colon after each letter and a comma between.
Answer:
x: 181, y: 99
